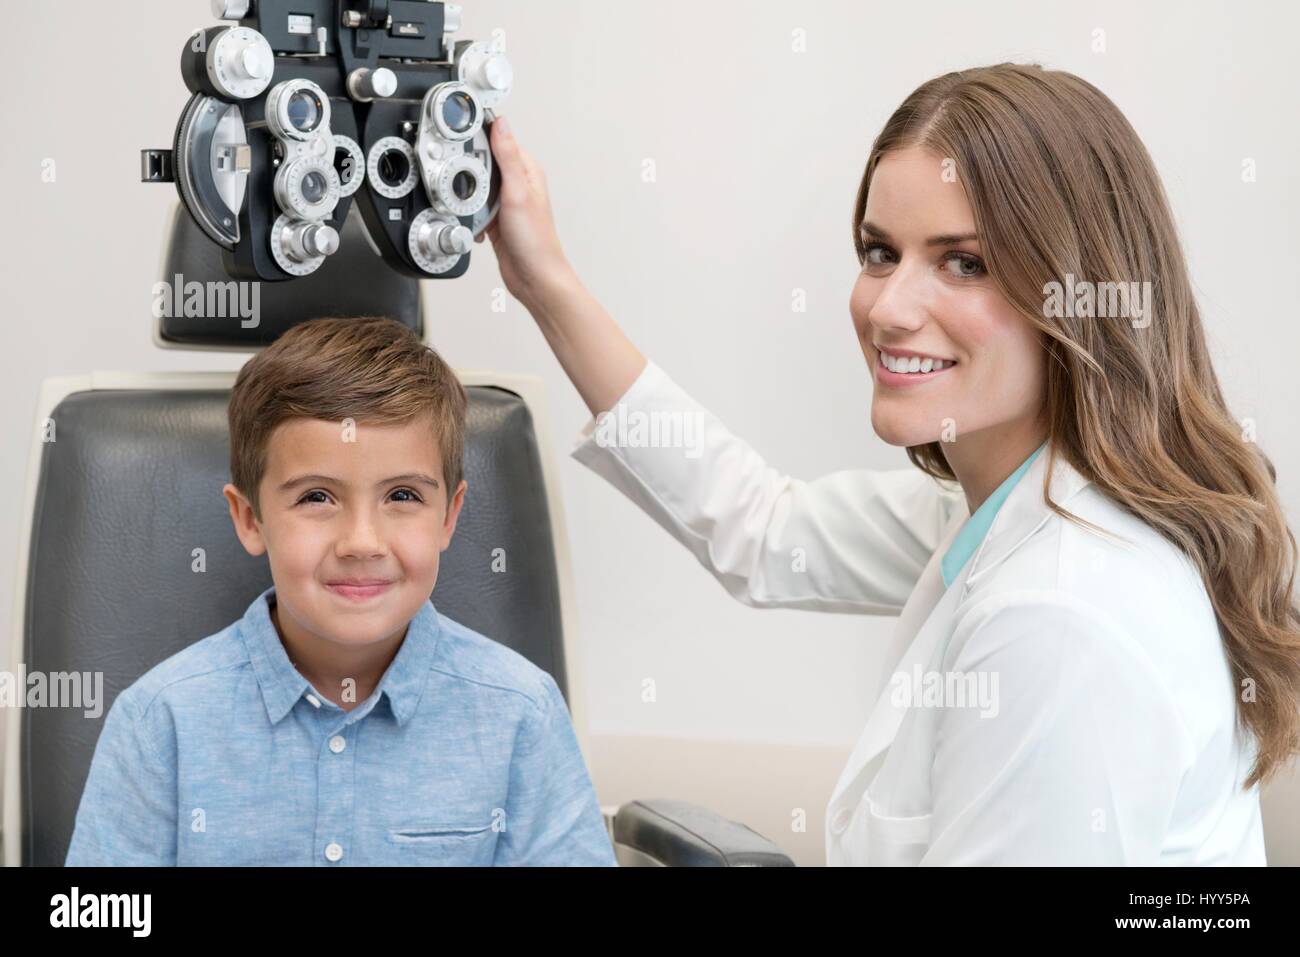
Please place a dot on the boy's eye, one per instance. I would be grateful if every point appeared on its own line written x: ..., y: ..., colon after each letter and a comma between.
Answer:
x: 408, y: 495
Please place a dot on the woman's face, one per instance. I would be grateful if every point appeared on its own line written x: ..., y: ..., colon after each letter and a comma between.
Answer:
x: 924, y: 300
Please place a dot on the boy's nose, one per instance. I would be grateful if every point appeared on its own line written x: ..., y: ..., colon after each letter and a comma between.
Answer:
x: 361, y: 539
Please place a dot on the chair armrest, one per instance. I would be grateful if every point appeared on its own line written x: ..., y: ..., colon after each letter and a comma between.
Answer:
x: 678, y: 834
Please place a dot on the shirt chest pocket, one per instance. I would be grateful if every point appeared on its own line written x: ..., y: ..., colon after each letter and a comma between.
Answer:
x: 440, y: 844
x: 893, y: 841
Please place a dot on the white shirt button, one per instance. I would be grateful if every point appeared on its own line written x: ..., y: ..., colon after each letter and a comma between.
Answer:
x: 338, y: 743
x: 333, y: 852
x: 314, y: 700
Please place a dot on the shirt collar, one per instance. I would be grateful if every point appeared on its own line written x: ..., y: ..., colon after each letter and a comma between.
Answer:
x: 976, y: 528
x: 283, y: 685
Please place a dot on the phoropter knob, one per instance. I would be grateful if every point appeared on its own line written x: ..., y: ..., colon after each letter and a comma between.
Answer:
x: 230, y: 9
x: 443, y: 239
x: 365, y: 84
x: 495, y: 73
x: 305, y: 241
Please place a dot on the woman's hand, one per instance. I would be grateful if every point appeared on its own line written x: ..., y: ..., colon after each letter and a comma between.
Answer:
x: 598, y: 357
x: 523, y: 234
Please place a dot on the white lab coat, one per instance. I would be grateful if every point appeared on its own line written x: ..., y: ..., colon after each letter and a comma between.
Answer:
x: 1109, y: 735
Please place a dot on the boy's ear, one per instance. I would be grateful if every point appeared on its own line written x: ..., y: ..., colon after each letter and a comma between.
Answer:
x: 453, y: 513
x: 246, y: 526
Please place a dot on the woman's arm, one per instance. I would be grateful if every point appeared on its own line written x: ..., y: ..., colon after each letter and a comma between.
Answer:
x: 854, y: 541
x: 598, y: 357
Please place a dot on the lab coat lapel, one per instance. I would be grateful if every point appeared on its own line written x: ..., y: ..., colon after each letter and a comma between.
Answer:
x: 920, y: 625
x: 927, y: 619
x: 1024, y: 512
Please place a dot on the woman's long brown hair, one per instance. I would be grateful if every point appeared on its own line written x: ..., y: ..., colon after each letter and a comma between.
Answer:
x: 1061, y: 185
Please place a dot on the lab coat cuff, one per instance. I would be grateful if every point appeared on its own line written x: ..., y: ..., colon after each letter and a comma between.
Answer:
x: 652, y: 380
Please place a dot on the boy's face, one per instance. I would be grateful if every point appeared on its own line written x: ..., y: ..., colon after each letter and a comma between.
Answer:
x: 353, y: 521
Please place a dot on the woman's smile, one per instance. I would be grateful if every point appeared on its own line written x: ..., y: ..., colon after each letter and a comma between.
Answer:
x: 906, y: 367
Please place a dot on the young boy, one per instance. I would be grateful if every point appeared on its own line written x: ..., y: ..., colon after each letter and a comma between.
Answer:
x: 342, y: 721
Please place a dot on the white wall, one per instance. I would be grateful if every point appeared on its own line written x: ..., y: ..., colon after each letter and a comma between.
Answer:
x: 758, y: 151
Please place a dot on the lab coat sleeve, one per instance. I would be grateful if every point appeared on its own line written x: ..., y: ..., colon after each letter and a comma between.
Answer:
x: 1079, y: 759
x: 851, y: 541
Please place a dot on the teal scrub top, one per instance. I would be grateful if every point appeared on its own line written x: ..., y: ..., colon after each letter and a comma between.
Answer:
x: 977, y: 526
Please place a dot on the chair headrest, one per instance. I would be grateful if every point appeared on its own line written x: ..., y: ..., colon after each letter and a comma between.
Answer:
x: 217, y: 312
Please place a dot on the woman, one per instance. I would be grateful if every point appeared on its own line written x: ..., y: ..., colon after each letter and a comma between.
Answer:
x: 1098, y: 654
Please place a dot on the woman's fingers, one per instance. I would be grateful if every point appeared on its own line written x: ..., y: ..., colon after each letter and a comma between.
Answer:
x: 509, y: 156
x: 523, y: 232
x: 536, y: 175
x: 522, y: 178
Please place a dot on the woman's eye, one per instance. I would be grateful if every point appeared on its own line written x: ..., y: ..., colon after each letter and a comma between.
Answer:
x: 406, y: 491
x: 878, y: 255
x: 964, y: 265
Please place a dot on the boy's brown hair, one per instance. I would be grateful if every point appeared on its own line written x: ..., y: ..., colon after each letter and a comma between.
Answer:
x: 371, y: 369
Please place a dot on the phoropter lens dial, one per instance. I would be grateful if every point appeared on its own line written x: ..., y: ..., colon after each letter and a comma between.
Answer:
x: 349, y: 163
x: 454, y: 110
x: 297, y: 110
x: 459, y: 184
x: 308, y: 188
x: 391, y: 167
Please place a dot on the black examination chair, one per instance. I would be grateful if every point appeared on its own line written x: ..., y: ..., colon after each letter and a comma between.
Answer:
x: 118, y: 503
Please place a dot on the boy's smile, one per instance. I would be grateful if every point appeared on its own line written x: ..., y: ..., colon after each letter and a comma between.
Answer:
x: 359, y: 589
x: 354, y: 518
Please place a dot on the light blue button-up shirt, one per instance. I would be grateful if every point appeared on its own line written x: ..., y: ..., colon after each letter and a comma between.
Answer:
x: 224, y: 754
x: 973, y: 532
